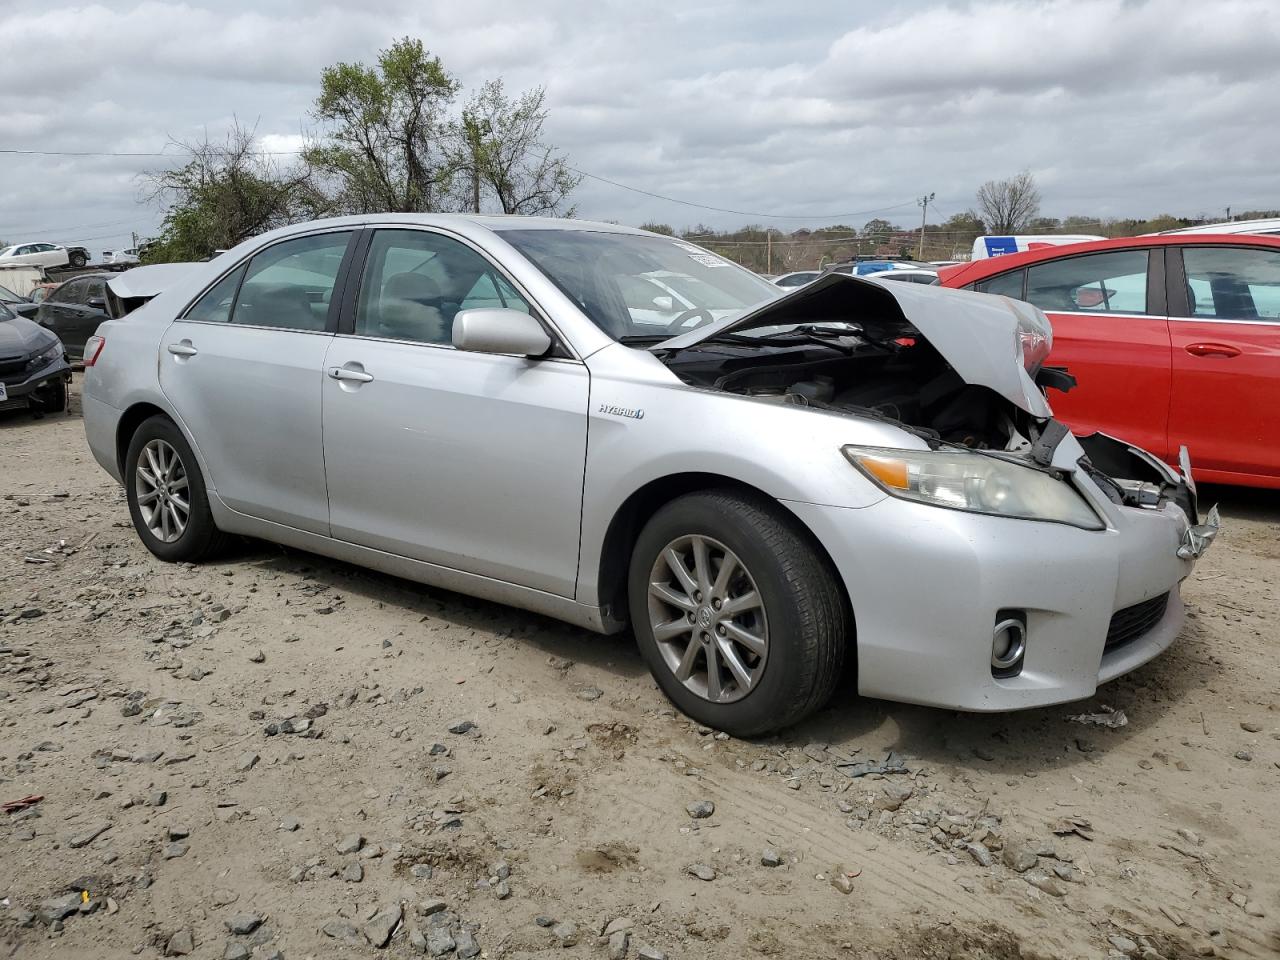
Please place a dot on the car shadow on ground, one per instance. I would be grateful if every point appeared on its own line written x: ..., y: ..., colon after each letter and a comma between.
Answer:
x: 1242, y: 503
x: 1009, y: 744
x: 615, y: 653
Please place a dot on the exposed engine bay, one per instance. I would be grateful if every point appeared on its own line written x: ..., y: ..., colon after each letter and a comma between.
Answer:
x: 804, y: 349
x: 903, y: 380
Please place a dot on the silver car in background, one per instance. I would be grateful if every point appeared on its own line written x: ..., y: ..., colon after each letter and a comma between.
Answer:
x: 761, y: 486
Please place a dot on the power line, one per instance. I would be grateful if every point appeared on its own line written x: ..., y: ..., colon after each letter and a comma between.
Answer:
x: 741, y: 213
x: 13, y: 151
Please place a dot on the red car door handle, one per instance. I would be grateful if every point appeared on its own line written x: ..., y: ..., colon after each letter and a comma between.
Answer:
x: 1212, y: 350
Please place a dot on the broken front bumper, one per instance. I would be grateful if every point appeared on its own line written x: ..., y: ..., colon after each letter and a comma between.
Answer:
x: 928, y: 586
x: 18, y: 393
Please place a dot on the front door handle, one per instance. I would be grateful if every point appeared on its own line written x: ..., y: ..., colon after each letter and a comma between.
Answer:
x: 346, y: 373
x: 183, y: 349
x: 1212, y: 350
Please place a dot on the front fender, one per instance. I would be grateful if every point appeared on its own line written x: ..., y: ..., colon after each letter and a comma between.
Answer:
x: 647, y: 427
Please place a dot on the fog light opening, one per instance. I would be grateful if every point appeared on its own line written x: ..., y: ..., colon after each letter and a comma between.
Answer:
x: 1008, y: 645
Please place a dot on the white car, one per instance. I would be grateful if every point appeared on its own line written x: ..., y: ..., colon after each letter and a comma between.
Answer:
x: 913, y: 275
x: 1270, y: 225
x: 120, y: 259
x: 799, y: 278
x: 855, y: 470
x: 35, y: 254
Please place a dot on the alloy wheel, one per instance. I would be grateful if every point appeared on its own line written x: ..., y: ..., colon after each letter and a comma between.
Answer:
x: 160, y: 484
x: 708, y: 618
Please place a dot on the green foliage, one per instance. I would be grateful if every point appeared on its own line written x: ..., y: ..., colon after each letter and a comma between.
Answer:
x: 387, y: 128
x: 226, y: 193
x: 662, y: 228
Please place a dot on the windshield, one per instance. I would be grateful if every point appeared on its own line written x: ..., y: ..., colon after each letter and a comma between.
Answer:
x: 631, y: 285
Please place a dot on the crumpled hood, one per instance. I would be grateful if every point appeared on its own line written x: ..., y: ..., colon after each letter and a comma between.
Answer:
x: 20, y: 338
x: 981, y: 336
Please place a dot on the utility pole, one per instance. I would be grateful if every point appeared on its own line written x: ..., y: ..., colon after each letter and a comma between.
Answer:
x: 768, y: 251
x: 924, y: 216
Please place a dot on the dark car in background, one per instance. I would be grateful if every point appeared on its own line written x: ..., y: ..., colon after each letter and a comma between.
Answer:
x: 34, y: 371
x: 74, y: 310
x: 22, y: 306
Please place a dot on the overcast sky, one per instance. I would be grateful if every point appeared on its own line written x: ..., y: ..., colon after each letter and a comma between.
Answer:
x: 823, y: 112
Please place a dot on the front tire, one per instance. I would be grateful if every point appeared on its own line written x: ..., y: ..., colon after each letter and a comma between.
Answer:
x: 737, y: 614
x: 166, y: 494
x: 78, y: 260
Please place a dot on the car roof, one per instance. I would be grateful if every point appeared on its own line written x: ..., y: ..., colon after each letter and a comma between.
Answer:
x: 988, y: 267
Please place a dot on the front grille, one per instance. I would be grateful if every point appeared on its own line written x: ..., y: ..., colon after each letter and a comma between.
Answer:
x: 1133, y: 622
x: 12, y: 366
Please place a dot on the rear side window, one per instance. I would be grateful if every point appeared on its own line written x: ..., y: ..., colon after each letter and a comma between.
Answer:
x: 1233, y: 283
x: 74, y: 291
x: 1113, y: 282
x: 215, y: 305
x: 1004, y: 285
x: 290, y: 284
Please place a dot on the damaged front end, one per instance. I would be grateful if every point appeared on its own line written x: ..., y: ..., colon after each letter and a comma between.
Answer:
x: 1132, y: 477
x: 961, y: 371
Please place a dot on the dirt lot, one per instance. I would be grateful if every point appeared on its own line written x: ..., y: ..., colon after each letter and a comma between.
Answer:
x: 147, y: 704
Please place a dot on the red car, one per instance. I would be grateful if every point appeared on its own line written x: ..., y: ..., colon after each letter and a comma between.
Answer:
x: 1173, y: 340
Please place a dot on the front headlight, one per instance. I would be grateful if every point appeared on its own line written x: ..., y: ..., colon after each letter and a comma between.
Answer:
x: 973, y: 482
x: 46, y: 356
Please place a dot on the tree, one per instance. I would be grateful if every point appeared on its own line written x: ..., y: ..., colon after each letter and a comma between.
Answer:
x: 387, y: 132
x: 225, y: 193
x: 1007, y: 206
x: 500, y: 146
x: 879, y: 230
x: 662, y: 228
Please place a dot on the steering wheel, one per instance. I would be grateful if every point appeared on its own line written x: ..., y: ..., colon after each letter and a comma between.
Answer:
x: 675, y: 325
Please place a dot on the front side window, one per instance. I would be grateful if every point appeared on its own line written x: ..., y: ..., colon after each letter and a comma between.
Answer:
x: 416, y: 282
x: 96, y: 289
x: 1233, y: 283
x: 1113, y: 282
x: 290, y: 284
x: 632, y: 285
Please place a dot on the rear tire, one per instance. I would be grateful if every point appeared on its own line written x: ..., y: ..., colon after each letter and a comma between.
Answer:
x: 167, y: 498
x: 781, y: 591
x: 78, y: 260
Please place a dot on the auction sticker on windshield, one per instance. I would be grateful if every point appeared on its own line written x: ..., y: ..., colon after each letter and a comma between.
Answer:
x: 698, y: 255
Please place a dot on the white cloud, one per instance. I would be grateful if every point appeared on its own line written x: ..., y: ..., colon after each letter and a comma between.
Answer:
x: 1120, y: 107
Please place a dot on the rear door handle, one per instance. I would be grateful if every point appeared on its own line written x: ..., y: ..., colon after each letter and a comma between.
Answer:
x: 346, y: 373
x: 1212, y: 350
x: 183, y: 349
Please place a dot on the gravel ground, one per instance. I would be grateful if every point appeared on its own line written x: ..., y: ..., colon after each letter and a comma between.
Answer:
x: 277, y: 755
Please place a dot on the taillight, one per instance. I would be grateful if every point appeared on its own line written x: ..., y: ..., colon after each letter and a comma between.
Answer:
x: 93, y: 349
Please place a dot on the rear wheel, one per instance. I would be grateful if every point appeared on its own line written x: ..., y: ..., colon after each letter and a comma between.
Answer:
x: 78, y: 260
x: 738, y: 616
x: 166, y: 494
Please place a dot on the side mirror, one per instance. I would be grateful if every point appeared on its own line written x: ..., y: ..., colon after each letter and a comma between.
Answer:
x: 500, y: 330
x: 96, y: 303
x: 27, y: 310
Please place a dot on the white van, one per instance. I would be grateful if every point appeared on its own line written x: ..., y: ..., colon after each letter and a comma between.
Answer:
x: 992, y: 246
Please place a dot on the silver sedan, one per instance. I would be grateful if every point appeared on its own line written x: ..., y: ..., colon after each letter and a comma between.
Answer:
x: 621, y: 429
